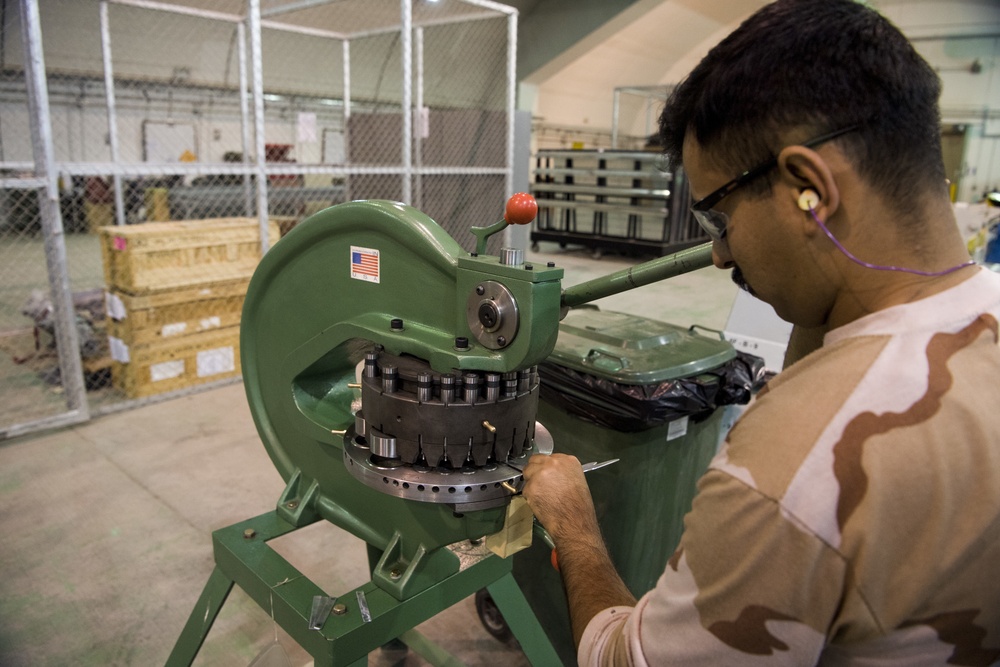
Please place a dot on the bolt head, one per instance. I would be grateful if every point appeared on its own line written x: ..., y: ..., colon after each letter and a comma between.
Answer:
x: 395, y: 574
x: 501, y: 341
x: 292, y: 504
x: 249, y: 534
x: 339, y: 609
x: 480, y: 290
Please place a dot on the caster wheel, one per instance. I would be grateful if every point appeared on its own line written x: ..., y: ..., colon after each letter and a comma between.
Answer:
x: 491, y: 617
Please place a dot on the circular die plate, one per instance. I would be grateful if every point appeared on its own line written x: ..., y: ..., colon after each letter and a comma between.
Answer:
x: 466, y: 488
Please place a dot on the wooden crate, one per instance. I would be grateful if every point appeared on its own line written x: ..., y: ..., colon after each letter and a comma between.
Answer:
x: 148, y: 318
x: 175, y: 363
x: 172, y: 255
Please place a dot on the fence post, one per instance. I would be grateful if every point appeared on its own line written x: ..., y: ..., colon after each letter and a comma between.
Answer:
x: 67, y: 341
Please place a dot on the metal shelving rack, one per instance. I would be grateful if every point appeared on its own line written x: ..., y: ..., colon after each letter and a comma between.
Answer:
x: 612, y: 201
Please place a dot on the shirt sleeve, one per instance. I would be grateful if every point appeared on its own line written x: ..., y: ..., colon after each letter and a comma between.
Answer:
x: 747, y: 585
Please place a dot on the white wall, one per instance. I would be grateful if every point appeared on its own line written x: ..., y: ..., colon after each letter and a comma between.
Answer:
x: 663, y: 44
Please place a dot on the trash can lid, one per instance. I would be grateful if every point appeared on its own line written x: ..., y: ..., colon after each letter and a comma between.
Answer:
x: 629, y: 349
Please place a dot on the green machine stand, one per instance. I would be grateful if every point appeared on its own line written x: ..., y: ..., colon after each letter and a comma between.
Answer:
x: 393, y: 380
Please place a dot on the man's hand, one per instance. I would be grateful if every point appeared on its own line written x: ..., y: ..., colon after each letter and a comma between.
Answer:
x: 557, y: 492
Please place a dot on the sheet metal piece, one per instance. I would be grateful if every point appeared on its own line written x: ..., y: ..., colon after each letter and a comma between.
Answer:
x: 594, y: 465
x: 366, y: 615
x: 321, y: 607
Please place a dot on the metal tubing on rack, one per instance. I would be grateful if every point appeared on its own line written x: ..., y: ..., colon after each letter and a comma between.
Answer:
x: 347, y: 118
x: 109, y: 93
x: 178, y: 9
x: 347, y: 82
x: 241, y: 39
x: 406, y: 9
x: 67, y: 341
x: 614, y: 119
x: 511, y: 83
x: 256, y: 58
x: 418, y: 111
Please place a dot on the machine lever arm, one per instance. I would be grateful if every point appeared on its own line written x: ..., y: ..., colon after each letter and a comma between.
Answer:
x: 652, y: 271
x: 521, y: 209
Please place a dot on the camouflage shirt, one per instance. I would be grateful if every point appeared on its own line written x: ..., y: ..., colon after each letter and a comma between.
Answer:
x: 852, y: 516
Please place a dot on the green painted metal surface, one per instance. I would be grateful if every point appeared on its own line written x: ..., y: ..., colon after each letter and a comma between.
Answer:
x: 306, y: 323
x: 634, y: 350
x: 243, y: 556
x: 641, y: 500
x: 309, y: 316
x: 652, y: 271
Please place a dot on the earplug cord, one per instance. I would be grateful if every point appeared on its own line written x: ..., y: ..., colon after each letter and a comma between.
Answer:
x: 879, y: 267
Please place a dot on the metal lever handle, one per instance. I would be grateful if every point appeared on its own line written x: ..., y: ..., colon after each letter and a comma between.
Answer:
x: 652, y: 271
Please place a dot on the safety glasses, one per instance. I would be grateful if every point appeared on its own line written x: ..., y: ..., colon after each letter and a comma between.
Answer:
x: 715, y: 222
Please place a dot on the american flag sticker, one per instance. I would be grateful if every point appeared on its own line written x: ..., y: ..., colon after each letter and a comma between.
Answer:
x: 365, y: 264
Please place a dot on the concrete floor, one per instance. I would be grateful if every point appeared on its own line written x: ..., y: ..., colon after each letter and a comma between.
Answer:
x: 107, y: 526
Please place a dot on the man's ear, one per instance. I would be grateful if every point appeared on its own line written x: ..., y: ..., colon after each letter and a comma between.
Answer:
x: 808, y: 182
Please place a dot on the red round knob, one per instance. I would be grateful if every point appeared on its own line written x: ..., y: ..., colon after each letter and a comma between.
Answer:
x: 521, y: 209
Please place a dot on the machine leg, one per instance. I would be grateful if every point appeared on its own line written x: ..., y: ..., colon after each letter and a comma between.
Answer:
x: 201, y: 619
x: 521, y: 619
x: 243, y: 557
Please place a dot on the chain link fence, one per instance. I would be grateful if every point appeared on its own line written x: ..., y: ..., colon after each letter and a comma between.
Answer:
x: 188, y: 134
x: 635, y: 116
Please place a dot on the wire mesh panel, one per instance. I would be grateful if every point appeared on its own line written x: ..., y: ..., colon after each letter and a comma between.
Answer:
x: 32, y: 388
x: 462, y: 130
x: 636, y: 115
x: 30, y: 383
x: 449, y: 99
x: 173, y: 122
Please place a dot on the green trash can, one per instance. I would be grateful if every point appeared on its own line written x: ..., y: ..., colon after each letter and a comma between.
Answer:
x: 647, y: 393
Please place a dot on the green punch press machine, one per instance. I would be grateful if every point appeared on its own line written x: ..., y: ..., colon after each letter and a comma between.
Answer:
x: 392, y: 377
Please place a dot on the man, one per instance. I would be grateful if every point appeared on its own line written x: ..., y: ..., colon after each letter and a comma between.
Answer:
x: 853, y: 514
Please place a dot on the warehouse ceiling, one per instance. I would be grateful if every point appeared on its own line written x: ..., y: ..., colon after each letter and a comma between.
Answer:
x: 549, y: 30
x: 551, y: 34
x: 573, y: 54
x: 657, y: 42
x: 351, y: 17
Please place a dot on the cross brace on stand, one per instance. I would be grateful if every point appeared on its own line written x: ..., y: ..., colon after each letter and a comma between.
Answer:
x: 243, y: 557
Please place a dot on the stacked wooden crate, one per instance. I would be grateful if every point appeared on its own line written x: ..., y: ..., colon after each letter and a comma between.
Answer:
x: 175, y: 292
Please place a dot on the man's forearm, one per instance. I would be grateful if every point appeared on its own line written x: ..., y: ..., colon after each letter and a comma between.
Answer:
x: 591, y: 581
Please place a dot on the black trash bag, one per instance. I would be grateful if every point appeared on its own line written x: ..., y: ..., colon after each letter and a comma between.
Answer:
x: 630, y: 408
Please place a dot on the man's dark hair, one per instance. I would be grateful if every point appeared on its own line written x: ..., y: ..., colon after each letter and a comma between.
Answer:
x: 800, y: 68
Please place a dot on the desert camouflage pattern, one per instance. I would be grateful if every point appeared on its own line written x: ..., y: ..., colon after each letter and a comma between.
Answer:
x: 853, y: 515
